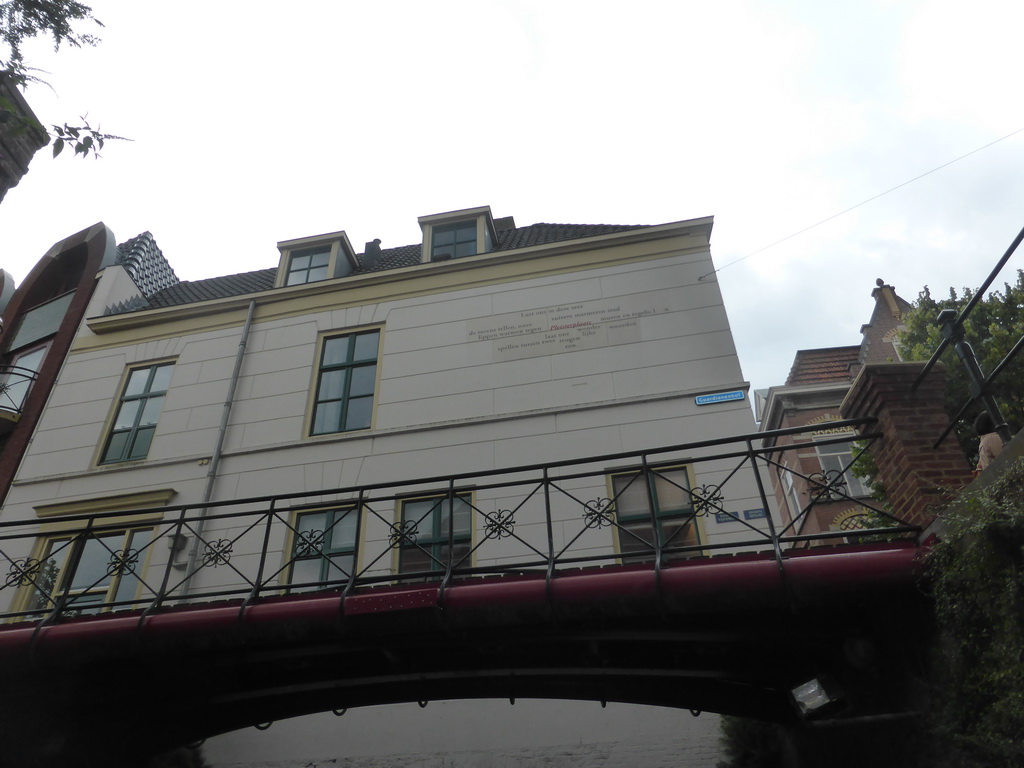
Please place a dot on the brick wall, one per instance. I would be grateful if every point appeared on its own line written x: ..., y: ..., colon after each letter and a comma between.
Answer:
x: 917, y: 477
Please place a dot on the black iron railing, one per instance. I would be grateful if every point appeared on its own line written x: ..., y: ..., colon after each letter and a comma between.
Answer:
x: 953, y: 333
x: 650, y: 508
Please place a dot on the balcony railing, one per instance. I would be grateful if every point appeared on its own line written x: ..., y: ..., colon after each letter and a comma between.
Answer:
x: 540, y: 519
x: 15, y: 383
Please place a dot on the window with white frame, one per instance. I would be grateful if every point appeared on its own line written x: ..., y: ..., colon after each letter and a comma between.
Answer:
x: 90, y: 570
x: 324, y: 548
x: 835, y: 465
x: 792, y: 497
x: 346, y: 382
x: 434, y: 531
x: 668, y: 488
x: 131, y: 432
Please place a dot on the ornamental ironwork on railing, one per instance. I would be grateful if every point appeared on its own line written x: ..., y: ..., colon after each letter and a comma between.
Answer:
x: 15, y: 382
x: 648, y: 509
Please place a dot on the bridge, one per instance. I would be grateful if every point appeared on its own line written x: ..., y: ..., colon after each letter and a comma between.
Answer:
x: 128, y: 633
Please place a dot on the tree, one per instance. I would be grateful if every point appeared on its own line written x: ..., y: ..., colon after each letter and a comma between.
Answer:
x: 22, y: 20
x: 994, y: 326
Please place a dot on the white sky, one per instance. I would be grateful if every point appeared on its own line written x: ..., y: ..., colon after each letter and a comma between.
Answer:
x: 255, y: 122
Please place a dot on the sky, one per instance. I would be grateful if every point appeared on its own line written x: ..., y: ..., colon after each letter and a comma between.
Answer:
x: 252, y: 123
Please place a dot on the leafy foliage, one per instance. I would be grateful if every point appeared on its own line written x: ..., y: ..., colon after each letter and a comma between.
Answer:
x: 993, y: 327
x: 21, y: 20
x: 84, y: 138
x: 977, y: 576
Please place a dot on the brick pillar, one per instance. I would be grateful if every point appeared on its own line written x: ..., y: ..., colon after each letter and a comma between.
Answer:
x: 917, y: 478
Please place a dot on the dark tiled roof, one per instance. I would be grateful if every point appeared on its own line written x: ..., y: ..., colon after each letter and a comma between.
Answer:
x: 820, y: 366
x: 189, y: 292
x: 145, y: 264
x: 539, y: 234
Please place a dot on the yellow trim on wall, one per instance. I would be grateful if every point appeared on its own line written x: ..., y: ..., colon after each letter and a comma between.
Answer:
x: 136, y: 500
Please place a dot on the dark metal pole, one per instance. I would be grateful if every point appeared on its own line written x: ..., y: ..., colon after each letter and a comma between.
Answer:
x: 953, y: 331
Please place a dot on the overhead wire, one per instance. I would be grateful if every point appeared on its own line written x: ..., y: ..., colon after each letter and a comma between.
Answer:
x: 858, y: 205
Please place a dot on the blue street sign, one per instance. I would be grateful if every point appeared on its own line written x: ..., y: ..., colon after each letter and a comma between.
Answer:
x: 719, y: 397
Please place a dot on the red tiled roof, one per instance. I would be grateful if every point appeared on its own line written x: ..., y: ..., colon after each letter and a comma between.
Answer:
x: 818, y: 366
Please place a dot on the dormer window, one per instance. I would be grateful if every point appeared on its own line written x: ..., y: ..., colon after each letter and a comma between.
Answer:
x: 312, y: 259
x: 452, y: 241
x: 457, y: 234
x: 308, y: 265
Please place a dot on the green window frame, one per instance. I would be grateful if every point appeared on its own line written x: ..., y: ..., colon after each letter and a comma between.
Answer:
x: 456, y: 240
x: 96, y: 570
x: 142, y: 399
x: 425, y: 532
x: 346, y: 383
x: 308, y: 265
x: 669, y: 489
x: 324, y: 547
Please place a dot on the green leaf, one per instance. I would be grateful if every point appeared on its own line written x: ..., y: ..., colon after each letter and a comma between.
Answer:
x: 58, y: 146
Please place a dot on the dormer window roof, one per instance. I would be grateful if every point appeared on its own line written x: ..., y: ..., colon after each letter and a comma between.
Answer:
x: 457, y: 234
x: 312, y: 259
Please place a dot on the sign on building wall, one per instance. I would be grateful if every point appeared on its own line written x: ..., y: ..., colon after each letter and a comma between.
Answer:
x: 567, y: 327
x: 719, y: 397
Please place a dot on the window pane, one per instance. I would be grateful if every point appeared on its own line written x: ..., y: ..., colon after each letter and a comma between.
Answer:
x: 306, y: 570
x: 143, y: 437
x: 327, y: 417
x: 631, y: 499
x: 419, y: 512
x: 335, y: 351
x: 317, y: 273
x: 41, y: 321
x: 126, y: 414
x: 677, y: 533
x: 415, y: 559
x: 360, y: 413
x: 460, y: 556
x: 636, y: 537
x: 343, y: 534
x: 332, y: 384
x: 463, y: 517
x: 127, y: 588
x: 465, y: 249
x: 151, y: 413
x: 118, y: 442
x: 299, y: 263
x: 363, y: 379
x: 366, y: 346
x: 338, y: 567
x: 92, y: 565
x: 137, y: 381
x: 443, y: 237
x: 671, y: 486
x: 161, y: 379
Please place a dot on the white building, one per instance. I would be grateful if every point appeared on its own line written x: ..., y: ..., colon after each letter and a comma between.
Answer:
x: 485, y: 347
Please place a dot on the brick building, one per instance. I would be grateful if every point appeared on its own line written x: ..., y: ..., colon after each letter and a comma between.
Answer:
x: 814, y: 486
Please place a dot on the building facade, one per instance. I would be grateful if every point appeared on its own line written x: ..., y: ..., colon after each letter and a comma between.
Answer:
x: 483, y: 348
x: 21, y: 135
x: 814, y: 486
